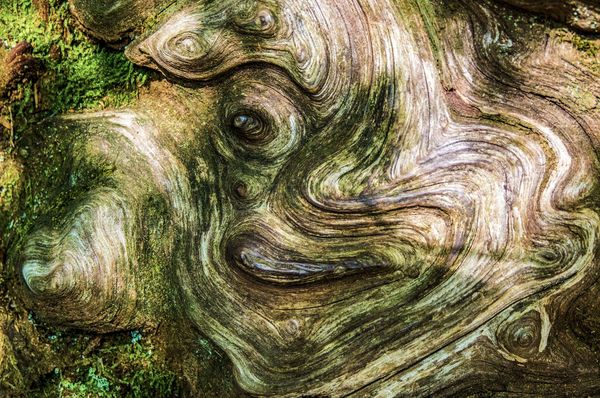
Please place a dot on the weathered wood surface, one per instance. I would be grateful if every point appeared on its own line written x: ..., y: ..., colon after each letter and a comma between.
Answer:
x: 369, y: 197
x: 583, y: 15
x: 115, y: 21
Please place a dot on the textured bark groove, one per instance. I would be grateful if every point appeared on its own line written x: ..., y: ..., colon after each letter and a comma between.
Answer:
x: 344, y: 196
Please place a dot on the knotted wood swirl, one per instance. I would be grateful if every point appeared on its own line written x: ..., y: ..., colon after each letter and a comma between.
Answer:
x: 347, y: 208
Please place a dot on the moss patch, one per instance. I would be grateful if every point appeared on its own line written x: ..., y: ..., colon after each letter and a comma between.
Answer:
x: 75, y: 74
x: 119, y: 365
x: 10, y: 178
x: 589, y: 47
x: 78, y: 74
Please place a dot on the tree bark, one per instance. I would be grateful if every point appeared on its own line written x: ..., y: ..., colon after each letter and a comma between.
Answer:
x: 368, y: 197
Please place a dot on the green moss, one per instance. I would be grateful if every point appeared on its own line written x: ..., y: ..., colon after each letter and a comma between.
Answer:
x: 78, y: 74
x: 10, y: 177
x: 122, y: 365
x: 156, y: 236
x: 427, y: 12
x: 589, y: 47
x: 117, y: 365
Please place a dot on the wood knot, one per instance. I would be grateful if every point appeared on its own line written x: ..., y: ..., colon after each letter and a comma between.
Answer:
x: 241, y: 190
x: 292, y: 328
x: 521, y: 337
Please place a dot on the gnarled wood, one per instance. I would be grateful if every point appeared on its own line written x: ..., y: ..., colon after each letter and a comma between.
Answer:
x: 348, y: 196
x: 113, y: 20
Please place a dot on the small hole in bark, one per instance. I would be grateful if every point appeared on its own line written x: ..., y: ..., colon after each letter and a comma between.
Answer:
x: 250, y: 128
x: 241, y: 190
x: 265, y: 20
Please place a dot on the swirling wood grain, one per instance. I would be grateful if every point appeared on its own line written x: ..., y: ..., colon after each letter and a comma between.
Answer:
x: 359, y: 196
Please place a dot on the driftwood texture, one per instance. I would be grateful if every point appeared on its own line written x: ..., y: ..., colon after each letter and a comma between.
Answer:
x: 378, y: 197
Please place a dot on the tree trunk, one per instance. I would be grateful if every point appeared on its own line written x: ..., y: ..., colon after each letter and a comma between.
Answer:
x: 368, y: 197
